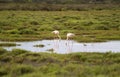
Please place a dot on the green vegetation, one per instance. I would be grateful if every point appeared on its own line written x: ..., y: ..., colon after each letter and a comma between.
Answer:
x: 40, y: 45
x: 61, y: 2
x: 89, y: 20
x: 59, y: 5
x: 21, y: 63
x: 9, y: 44
x: 89, y: 26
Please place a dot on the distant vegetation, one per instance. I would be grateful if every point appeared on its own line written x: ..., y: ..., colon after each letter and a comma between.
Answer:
x: 59, y: 5
x: 21, y: 63
x: 61, y: 1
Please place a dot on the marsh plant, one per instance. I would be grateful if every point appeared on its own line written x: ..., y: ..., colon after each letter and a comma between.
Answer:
x: 9, y: 44
x: 39, y: 45
x: 21, y: 63
x: 36, y: 25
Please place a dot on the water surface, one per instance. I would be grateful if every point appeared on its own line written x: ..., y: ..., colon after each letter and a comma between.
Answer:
x: 72, y: 46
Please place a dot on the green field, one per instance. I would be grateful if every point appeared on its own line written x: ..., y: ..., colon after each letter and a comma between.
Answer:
x: 101, y: 25
x: 88, y: 26
x: 21, y: 63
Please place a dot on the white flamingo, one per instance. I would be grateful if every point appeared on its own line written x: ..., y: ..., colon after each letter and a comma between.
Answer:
x: 69, y: 37
x: 57, y: 36
x: 56, y: 33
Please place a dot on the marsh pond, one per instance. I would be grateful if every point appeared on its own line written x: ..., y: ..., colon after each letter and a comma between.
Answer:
x: 64, y: 46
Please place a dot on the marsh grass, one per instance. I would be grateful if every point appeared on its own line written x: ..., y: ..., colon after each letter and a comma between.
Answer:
x: 9, y: 44
x: 37, y: 25
x: 40, y: 45
x: 21, y: 63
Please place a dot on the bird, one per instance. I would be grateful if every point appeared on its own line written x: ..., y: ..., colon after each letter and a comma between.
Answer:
x: 69, y: 37
x: 57, y: 35
x: 84, y: 44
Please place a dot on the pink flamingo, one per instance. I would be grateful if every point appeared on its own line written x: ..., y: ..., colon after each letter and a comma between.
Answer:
x: 57, y: 36
x: 69, y: 37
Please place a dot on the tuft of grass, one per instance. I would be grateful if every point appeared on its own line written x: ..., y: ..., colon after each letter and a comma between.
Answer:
x: 21, y: 70
x: 2, y: 51
x: 40, y: 45
x: 9, y: 44
x: 18, y: 51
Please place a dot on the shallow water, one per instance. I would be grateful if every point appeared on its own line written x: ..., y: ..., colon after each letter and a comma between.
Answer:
x: 64, y: 46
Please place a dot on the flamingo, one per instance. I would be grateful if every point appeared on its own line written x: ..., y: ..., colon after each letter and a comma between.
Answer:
x: 56, y: 33
x: 69, y: 37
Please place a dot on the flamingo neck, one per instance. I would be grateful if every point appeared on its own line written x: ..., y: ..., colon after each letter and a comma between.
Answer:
x: 59, y: 37
x: 67, y: 38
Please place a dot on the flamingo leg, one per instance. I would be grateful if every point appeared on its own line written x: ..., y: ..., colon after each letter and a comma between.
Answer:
x: 68, y: 45
x: 71, y: 46
x: 55, y: 43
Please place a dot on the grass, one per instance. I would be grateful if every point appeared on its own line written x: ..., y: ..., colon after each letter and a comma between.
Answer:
x: 102, y: 25
x: 40, y: 45
x: 21, y: 63
x: 9, y: 44
x: 88, y: 26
